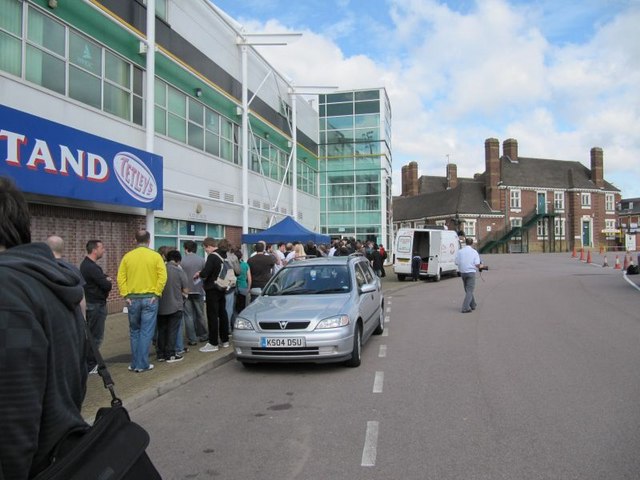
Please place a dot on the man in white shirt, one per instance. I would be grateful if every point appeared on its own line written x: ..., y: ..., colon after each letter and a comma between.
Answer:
x: 468, y: 261
x: 280, y: 257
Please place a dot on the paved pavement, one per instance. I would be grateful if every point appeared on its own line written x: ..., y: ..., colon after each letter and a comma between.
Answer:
x: 136, y: 389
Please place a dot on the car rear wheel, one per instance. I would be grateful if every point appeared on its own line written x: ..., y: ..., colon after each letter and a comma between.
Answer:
x: 401, y: 277
x: 355, y: 359
x: 380, y: 328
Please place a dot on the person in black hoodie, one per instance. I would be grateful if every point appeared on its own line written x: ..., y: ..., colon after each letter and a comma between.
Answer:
x: 42, y: 345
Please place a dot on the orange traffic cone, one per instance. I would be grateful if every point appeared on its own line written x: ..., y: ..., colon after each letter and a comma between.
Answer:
x: 582, y: 254
x: 605, y: 264
x: 589, y: 256
x: 573, y: 254
x: 617, y: 267
x: 626, y: 262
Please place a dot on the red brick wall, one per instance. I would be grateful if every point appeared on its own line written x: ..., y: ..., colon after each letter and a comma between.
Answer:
x: 77, y: 226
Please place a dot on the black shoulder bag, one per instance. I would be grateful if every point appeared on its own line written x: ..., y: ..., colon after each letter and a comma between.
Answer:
x: 112, y: 448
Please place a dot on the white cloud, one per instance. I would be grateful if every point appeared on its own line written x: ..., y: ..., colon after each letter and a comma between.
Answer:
x: 456, y: 78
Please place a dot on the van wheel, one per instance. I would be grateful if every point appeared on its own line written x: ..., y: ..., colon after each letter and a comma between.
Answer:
x: 355, y: 359
x: 438, y: 276
x: 401, y: 277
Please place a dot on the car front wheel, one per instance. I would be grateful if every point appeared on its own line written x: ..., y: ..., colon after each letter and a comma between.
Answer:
x: 380, y: 328
x: 354, y: 361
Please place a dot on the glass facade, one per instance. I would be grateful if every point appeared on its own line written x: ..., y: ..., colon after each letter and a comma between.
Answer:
x: 55, y: 56
x: 355, y: 165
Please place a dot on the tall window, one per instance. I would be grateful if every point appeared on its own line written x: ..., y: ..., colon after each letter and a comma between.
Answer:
x: 469, y: 228
x: 516, y: 223
x: 11, y: 37
x: 63, y: 60
x: 558, y: 225
x: 558, y: 200
x: 541, y: 228
x: 609, y: 201
x: 585, y: 200
x: 514, y: 198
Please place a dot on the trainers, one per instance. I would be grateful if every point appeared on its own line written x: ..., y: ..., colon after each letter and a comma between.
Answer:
x: 160, y: 359
x: 193, y: 343
x: 225, y: 344
x: 140, y: 370
x: 174, y: 358
x: 209, y: 348
x: 94, y: 370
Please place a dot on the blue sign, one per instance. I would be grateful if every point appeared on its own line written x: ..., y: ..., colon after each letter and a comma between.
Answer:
x: 49, y: 158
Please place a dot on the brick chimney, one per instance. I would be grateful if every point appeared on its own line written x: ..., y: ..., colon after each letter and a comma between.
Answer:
x: 510, y: 149
x: 452, y: 175
x: 410, y: 179
x: 405, y: 169
x: 597, y: 168
x: 492, y: 171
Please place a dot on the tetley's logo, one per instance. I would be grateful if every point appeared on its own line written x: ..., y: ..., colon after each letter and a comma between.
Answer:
x: 55, y: 158
x: 135, y: 177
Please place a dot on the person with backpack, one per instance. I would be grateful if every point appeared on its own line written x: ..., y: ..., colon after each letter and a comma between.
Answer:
x: 215, y: 273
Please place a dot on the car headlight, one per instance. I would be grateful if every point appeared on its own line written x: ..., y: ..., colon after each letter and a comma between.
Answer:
x: 243, y: 324
x: 334, y: 322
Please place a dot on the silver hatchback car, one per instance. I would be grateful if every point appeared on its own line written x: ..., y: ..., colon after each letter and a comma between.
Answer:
x: 314, y: 310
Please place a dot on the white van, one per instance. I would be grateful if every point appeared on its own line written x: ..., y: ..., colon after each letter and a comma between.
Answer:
x: 437, y: 249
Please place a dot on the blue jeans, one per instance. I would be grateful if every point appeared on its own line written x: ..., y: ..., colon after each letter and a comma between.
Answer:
x: 194, y: 320
x: 230, y: 303
x: 143, y: 315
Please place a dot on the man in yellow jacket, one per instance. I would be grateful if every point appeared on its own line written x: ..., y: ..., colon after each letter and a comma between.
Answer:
x: 141, y: 278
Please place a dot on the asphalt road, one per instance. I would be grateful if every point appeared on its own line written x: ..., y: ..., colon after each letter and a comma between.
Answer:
x: 540, y: 382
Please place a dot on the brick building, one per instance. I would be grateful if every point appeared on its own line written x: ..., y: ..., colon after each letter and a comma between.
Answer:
x: 518, y: 204
x: 628, y: 221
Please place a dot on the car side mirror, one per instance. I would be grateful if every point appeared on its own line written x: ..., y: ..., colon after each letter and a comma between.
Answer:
x: 368, y: 288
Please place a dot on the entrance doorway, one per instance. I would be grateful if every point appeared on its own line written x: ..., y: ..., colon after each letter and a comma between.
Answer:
x: 586, y: 233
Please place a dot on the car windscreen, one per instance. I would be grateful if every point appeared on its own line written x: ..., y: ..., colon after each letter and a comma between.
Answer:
x: 310, y: 280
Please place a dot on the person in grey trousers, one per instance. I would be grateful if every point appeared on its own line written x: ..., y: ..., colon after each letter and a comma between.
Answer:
x: 468, y: 261
x: 194, y: 319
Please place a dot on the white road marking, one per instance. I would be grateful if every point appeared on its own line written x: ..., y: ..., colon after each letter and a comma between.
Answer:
x: 385, y: 333
x: 388, y: 309
x: 630, y: 282
x: 383, y: 351
x: 387, y: 318
x: 377, y: 382
x: 370, y: 449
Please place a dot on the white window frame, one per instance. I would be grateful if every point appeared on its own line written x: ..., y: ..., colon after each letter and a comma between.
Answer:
x: 541, y: 228
x: 609, y: 202
x: 469, y: 228
x: 558, y: 201
x: 515, y: 199
x: 516, y: 222
x: 559, y: 225
x: 585, y: 200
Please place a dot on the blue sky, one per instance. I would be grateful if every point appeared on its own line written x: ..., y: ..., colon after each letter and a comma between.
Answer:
x: 560, y: 76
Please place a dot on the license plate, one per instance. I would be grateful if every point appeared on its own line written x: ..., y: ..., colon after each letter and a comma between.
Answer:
x: 273, y: 342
